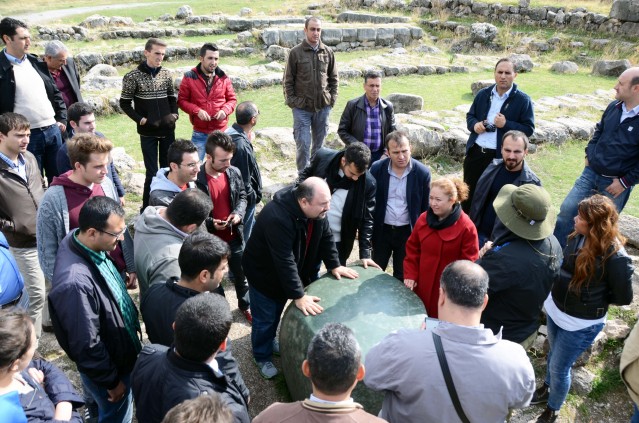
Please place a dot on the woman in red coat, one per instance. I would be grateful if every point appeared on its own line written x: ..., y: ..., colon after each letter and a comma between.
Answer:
x: 441, y: 235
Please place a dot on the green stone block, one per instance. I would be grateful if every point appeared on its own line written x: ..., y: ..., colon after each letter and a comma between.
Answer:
x: 372, y: 305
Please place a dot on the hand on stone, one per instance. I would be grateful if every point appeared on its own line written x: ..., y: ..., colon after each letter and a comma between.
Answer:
x: 370, y: 262
x: 347, y: 272
x: 308, y: 305
x: 410, y: 284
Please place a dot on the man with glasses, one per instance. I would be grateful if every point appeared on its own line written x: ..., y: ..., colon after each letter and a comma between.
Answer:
x: 184, y: 165
x: 244, y: 159
x: 60, y: 206
x: 94, y: 318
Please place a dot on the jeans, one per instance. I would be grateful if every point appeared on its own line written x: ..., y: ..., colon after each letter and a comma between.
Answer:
x: 109, y: 412
x: 589, y: 183
x: 29, y: 266
x: 249, y: 220
x: 635, y: 415
x: 565, y: 348
x: 303, y: 123
x: 199, y: 139
x: 266, y: 317
x: 392, y: 242
x: 150, y: 155
x: 235, y: 265
x: 44, y: 144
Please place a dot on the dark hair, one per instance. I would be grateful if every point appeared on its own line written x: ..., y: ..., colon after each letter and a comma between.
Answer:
x: 203, y: 409
x: 201, y: 251
x: 334, y: 358
x: 202, y: 323
x: 465, y: 283
x: 359, y: 154
x: 79, y: 109
x: 304, y: 190
x: 634, y: 81
x: 178, y: 148
x: 153, y: 42
x: 311, y: 18
x: 516, y: 135
x: 9, y: 27
x: 372, y: 74
x: 81, y: 146
x: 396, y: 136
x: 219, y: 139
x: 96, y: 211
x: 13, y: 122
x: 206, y: 47
x: 15, y: 336
x: 505, y: 60
x: 245, y: 111
x: 190, y: 206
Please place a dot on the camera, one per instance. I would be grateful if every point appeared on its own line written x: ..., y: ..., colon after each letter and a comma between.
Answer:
x: 490, y: 127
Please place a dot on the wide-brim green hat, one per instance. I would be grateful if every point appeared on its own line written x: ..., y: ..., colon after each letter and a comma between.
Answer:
x: 526, y: 210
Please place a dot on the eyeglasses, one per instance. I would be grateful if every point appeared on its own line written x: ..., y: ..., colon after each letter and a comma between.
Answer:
x: 190, y: 165
x: 116, y: 236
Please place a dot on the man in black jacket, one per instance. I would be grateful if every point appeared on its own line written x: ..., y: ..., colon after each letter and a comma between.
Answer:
x: 522, y: 263
x: 290, y: 236
x: 352, y: 197
x: 368, y: 118
x: 94, y: 318
x: 63, y: 70
x: 28, y: 89
x: 164, y: 377
x: 241, y: 133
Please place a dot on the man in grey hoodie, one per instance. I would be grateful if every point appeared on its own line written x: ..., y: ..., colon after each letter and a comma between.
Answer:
x: 184, y: 164
x: 160, y: 232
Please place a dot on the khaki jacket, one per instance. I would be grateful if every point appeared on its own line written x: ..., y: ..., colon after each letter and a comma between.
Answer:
x: 629, y: 366
x: 314, y: 412
x: 310, y: 78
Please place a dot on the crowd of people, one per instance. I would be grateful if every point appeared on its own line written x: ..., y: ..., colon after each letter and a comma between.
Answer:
x: 484, y: 254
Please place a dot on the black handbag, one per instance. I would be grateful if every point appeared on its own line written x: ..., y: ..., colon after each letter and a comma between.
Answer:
x: 443, y: 363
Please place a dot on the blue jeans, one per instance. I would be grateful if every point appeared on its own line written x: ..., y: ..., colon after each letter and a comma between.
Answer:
x: 266, y: 317
x: 109, y: 412
x: 44, y: 144
x: 150, y: 153
x: 565, y: 349
x: 303, y: 123
x: 635, y: 415
x: 249, y: 220
x: 589, y: 183
x: 199, y: 139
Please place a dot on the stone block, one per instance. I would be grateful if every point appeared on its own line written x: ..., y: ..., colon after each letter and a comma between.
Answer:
x: 477, y: 86
x: 271, y: 37
x: 404, y: 103
x: 564, y: 67
x: 424, y: 141
x: 184, y: 12
x: 626, y: 10
x: 610, y: 67
x: 239, y: 24
x: 290, y: 38
x: 331, y: 36
x: 372, y: 305
x: 366, y: 35
x: 522, y: 62
x: 349, y: 35
x: 385, y: 36
x: 402, y: 35
x: 582, y: 381
x: 275, y: 52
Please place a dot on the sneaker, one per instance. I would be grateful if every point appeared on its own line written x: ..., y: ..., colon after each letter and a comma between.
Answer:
x: 541, y: 395
x: 276, y: 347
x: 548, y: 416
x: 248, y: 315
x: 267, y: 369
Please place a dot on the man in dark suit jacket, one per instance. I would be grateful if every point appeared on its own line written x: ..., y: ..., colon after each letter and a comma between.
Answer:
x: 403, y: 186
x: 63, y: 70
x: 369, y: 118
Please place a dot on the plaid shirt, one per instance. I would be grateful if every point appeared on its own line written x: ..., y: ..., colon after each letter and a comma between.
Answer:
x: 373, y: 131
x: 21, y: 167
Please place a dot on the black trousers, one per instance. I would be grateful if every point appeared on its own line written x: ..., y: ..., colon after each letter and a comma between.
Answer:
x: 150, y: 147
x: 475, y: 162
x: 392, y: 242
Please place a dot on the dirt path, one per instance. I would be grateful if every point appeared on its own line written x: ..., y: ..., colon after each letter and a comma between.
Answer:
x: 52, y: 15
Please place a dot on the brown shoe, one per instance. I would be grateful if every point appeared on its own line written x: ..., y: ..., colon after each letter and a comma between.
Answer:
x: 548, y: 416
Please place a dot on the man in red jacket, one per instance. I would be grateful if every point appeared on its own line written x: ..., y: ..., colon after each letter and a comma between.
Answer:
x: 207, y: 95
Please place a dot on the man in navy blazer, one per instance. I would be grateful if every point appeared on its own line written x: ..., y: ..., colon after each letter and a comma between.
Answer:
x: 403, y: 186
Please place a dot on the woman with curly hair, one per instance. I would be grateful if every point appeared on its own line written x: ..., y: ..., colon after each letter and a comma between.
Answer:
x: 442, y: 235
x: 596, y: 272
x: 41, y: 389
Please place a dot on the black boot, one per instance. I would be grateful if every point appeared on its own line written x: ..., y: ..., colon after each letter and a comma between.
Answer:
x: 541, y: 395
x: 548, y: 416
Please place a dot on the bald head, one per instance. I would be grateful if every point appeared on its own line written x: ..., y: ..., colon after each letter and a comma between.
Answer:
x: 627, y: 88
x: 465, y: 284
x: 314, y: 197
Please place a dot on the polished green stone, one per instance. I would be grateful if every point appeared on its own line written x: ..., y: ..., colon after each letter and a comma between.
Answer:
x: 372, y: 305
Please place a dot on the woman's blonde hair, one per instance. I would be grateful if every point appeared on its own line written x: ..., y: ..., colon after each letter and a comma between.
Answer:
x: 453, y: 187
